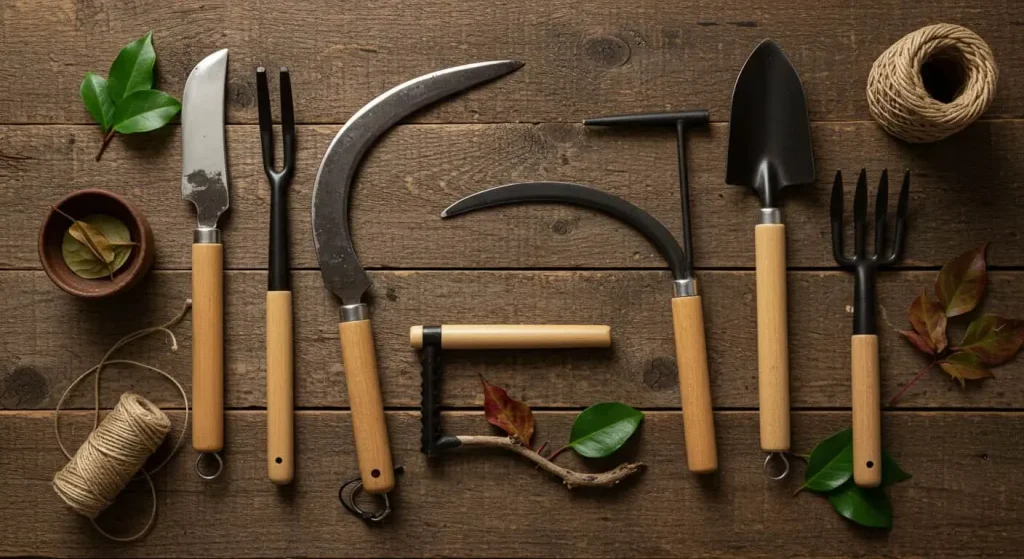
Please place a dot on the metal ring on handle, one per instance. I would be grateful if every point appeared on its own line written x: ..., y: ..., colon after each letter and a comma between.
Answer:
x: 768, y: 460
x: 199, y: 462
x: 349, y: 500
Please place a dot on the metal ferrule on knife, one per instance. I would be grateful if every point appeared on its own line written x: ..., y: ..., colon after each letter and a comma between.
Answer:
x: 206, y: 236
x: 769, y: 216
x: 352, y: 313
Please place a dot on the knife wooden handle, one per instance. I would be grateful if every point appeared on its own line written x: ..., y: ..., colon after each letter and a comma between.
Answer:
x: 368, y: 426
x: 208, y: 347
x: 867, y: 411
x: 772, y: 336
x: 694, y: 384
x: 517, y: 336
x: 280, y: 389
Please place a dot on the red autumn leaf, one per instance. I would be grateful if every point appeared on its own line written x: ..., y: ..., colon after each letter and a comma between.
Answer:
x: 964, y: 365
x: 961, y: 282
x: 922, y: 343
x: 512, y: 416
x: 929, y: 320
x: 994, y: 339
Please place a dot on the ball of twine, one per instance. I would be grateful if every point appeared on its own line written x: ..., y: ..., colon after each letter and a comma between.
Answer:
x: 111, y: 456
x: 899, y: 100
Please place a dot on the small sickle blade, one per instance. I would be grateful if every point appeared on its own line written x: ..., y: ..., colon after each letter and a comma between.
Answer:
x: 204, y: 168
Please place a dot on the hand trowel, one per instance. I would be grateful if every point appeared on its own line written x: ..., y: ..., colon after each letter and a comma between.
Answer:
x: 769, y: 149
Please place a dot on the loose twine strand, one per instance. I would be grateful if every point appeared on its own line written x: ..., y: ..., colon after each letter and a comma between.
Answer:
x: 117, y: 448
x: 897, y: 96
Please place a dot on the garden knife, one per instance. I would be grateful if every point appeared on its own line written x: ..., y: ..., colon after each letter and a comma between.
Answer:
x: 342, y: 272
x: 204, y: 182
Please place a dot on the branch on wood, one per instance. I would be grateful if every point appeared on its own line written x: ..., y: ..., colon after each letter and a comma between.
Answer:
x: 570, y: 478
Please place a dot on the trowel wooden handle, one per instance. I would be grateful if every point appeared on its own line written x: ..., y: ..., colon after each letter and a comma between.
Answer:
x: 772, y: 336
x: 370, y: 431
x: 694, y: 384
x: 208, y: 347
x: 280, y: 389
x: 867, y: 411
x: 517, y: 336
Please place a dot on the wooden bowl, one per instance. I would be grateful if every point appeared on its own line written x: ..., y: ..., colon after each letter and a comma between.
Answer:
x: 78, y: 205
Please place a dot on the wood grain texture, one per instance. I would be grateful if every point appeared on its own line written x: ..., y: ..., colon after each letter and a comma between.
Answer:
x: 280, y: 387
x: 964, y: 191
x: 694, y: 384
x: 772, y: 336
x: 963, y: 500
x: 607, y: 58
x: 866, y: 414
x: 208, y: 347
x: 639, y: 370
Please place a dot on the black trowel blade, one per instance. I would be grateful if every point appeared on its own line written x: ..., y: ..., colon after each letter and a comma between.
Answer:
x: 769, y: 131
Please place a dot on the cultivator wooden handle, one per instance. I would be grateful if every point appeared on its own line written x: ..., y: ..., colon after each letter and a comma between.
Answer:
x: 517, y: 336
x: 208, y: 347
x: 867, y: 411
x: 280, y: 390
x: 694, y: 384
x: 772, y: 336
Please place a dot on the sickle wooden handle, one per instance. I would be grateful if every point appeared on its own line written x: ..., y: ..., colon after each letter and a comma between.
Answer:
x: 280, y: 389
x: 370, y: 431
x: 517, y: 336
x: 772, y: 336
x: 694, y: 384
x: 208, y: 347
x: 867, y: 411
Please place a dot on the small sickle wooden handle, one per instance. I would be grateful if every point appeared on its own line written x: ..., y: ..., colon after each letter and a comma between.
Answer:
x: 772, y: 336
x: 368, y: 426
x: 867, y: 411
x: 208, y: 347
x: 280, y: 389
x: 517, y: 336
x: 694, y: 384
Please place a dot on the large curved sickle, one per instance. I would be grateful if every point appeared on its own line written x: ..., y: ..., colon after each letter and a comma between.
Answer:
x: 342, y: 272
x: 579, y: 195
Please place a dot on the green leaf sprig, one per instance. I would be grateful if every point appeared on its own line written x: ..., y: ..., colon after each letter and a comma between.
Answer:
x: 830, y: 473
x: 125, y: 102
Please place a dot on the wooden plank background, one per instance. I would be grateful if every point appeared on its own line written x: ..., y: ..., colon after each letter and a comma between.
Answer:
x: 539, y: 264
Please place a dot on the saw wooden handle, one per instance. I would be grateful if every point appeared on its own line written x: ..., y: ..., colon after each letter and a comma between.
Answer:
x: 280, y: 389
x: 694, y: 384
x: 368, y: 426
x: 867, y: 411
x: 772, y: 336
x: 208, y: 347
x: 517, y: 336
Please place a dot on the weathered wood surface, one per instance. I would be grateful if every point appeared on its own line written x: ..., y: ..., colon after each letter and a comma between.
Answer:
x: 606, y: 57
x: 964, y: 191
x: 38, y: 358
x: 963, y: 500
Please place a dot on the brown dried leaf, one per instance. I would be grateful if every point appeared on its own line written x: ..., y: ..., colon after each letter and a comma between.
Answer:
x: 96, y: 246
x: 922, y: 343
x: 961, y: 282
x: 512, y: 416
x: 994, y: 339
x: 929, y: 320
x: 964, y: 366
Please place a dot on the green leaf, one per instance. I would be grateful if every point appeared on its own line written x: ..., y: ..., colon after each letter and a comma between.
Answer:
x: 145, y: 110
x: 961, y: 282
x: 964, y: 366
x: 95, y: 95
x: 891, y: 471
x: 603, y: 428
x: 994, y: 339
x: 867, y: 507
x: 83, y: 260
x: 132, y: 70
x: 831, y: 463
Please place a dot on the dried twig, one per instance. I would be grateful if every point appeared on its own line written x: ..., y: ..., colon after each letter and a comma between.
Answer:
x: 570, y: 478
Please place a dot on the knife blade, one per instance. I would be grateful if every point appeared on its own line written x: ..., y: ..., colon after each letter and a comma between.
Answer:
x: 204, y: 182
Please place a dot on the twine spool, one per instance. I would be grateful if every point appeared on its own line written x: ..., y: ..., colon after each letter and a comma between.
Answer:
x: 932, y: 83
x: 111, y: 456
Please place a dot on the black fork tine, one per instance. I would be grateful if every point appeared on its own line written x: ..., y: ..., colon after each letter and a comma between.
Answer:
x: 266, y: 121
x: 881, y: 207
x: 287, y: 122
x: 836, y: 217
x: 902, y: 208
x: 860, y: 215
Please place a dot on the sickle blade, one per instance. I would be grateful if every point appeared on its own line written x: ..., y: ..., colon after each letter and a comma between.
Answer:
x: 579, y: 195
x: 342, y: 272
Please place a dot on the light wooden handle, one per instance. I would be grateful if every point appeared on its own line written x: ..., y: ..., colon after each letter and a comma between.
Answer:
x: 772, y: 336
x: 280, y: 389
x: 370, y: 431
x: 867, y: 411
x: 517, y: 336
x: 208, y: 347
x: 694, y: 384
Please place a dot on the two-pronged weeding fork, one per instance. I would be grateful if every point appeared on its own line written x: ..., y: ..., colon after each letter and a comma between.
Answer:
x: 867, y: 409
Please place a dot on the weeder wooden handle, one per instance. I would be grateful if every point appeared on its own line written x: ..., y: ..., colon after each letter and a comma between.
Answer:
x: 368, y: 426
x: 280, y: 389
x: 867, y: 411
x: 694, y: 384
x: 517, y: 336
x: 772, y: 336
x: 208, y: 347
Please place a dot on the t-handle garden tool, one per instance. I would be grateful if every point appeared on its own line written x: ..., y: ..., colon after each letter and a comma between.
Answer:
x: 280, y: 369
x: 867, y: 408
x: 687, y: 314
x: 769, y: 149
